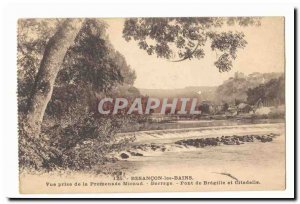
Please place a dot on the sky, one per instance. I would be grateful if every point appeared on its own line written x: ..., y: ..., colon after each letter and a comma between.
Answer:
x: 263, y: 53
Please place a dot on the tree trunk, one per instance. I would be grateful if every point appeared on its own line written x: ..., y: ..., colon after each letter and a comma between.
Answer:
x: 51, y: 62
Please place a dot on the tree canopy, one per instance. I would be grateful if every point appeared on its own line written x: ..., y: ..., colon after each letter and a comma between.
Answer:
x: 273, y: 90
x: 235, y: 88
x: 70, y: 130
x: 179, y: 39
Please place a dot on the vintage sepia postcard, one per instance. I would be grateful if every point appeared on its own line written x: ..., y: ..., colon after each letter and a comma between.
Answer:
x: 177, y: 104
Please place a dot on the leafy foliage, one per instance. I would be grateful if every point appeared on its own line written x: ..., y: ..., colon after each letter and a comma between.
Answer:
x: 234, y: 90
x: 185, y: 38
x: 73, y: 136
x: 204, y: 108
x: 92, y: 60
x: 89, y: 141
x: 270, y: 91
x: 33, y: 35
x: 91, y: 69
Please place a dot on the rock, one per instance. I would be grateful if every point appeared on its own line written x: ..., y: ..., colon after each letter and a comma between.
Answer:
x: 136, y: 154
x: 180, y: 142
x: 258, y: 137
x: 266, y: 139
x: 228, y: 142
x: 124, y: 156
x: 223, y: 140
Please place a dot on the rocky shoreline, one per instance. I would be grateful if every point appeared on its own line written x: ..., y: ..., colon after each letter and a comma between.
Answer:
x: 226, y: 140
x: 138, y: 150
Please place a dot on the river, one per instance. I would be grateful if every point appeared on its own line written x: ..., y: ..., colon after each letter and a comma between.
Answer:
x: 258, y: 161
x: 250, y: 166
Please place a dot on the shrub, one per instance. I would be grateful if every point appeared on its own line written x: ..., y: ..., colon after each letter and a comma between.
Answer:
x: 80, y: 146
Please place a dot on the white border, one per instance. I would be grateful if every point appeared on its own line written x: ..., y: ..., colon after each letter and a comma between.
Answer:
x: 133, y: 8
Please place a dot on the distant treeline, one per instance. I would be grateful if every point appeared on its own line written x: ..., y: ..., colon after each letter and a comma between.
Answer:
x: 251, y: 89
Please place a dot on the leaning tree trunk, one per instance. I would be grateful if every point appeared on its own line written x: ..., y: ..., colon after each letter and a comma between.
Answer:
x: 50, y: 65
